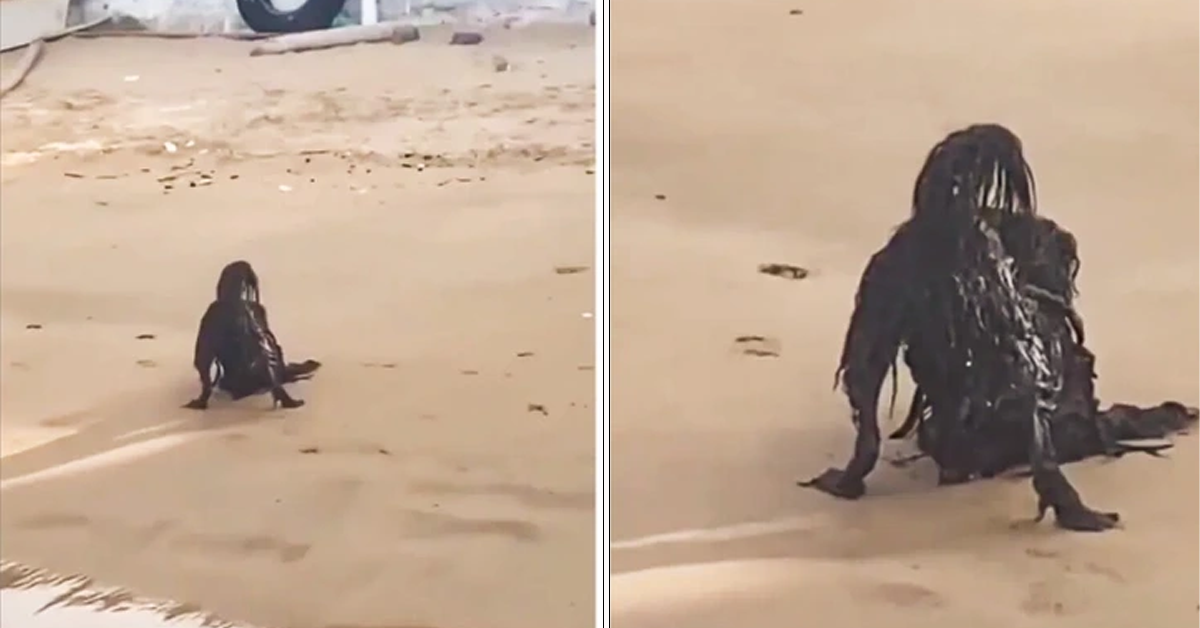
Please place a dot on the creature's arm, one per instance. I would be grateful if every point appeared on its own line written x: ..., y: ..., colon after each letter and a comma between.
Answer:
x: 207, y: 338
x: 870, y: 349
x: 871, y: 346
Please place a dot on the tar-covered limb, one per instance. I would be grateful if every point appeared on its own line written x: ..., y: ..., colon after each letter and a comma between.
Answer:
x: 275, y: 366
x: 871, y: 346
x: 206, y: 355
x: 1054, y: 491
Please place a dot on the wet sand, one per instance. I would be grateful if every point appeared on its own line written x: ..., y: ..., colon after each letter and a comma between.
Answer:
x: 744, y: 135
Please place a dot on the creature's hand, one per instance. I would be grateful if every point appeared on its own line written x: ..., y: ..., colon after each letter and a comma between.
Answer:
x: 835, y: 482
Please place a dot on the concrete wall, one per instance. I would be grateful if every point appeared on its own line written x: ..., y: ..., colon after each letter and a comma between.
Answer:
x: 222, y: 15
x: 22, y: 21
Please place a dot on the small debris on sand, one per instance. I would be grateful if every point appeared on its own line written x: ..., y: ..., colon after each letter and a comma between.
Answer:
x: 787, y: 271
x: 758, y: 346
x: 462, y: 38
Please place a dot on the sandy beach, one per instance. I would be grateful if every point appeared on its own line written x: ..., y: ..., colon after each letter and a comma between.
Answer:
x: 744, y: 134
x: 422, y: 224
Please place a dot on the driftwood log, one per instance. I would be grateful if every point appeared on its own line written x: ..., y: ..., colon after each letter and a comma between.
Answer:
x: 331, y: 38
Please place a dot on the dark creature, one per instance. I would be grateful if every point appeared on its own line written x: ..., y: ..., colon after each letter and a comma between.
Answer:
x: 977, y: 292
x: 1048, y: 262
x: 235, y: 335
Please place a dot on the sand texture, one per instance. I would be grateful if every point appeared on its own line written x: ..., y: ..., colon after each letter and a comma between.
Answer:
x: 743, y: 134
x: 407, y: 208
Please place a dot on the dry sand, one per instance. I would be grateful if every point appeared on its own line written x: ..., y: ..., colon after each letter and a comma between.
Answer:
x: 406, y: 208
x: 795, y: 139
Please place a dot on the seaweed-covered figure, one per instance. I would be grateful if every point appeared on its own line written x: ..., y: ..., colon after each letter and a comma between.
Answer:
x: 977, y: 291
x: 235, y: 336
x: 995, y: 436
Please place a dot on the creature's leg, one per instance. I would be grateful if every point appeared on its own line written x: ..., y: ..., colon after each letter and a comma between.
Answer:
x: 277, y: 370
x: 296, y: 371
x: 270, y: 351
x: 280, y: 395
x: 285, y: 400
x: 1052, y: 487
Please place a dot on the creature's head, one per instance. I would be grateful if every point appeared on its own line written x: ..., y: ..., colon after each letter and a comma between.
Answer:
x: 975, y: 175
x: 238, y: 281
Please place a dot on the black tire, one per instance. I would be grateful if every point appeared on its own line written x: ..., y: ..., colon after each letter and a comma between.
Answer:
x: 313, y: 15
